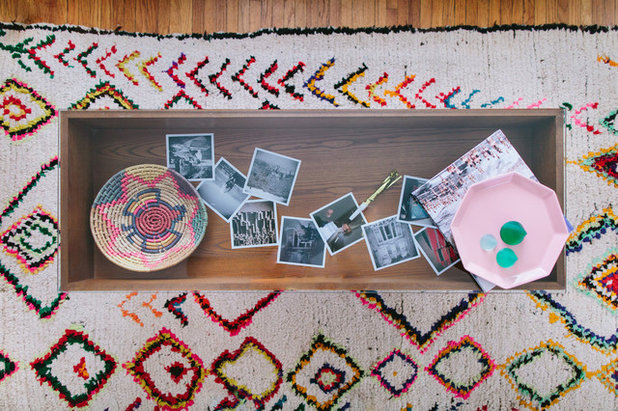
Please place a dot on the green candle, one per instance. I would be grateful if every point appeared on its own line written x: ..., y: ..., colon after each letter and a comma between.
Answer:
x: 512, y: 233
x: 506, y: 258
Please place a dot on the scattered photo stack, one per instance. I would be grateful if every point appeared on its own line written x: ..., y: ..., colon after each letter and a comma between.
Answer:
x: 426, y: 203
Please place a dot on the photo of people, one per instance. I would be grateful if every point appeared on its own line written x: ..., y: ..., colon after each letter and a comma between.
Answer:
x: 389, y: 242
x: 410, y: 210
x: 272, y: 176
x: 437, y: 251
x: 442, y: 194
x: 335, y: 226
x: 255, y: 225
x: 191, y: 155
x: 224, y: 194
x: 301, y: 243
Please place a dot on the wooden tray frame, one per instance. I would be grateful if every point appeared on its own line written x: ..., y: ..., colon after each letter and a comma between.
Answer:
x: 342, y: 151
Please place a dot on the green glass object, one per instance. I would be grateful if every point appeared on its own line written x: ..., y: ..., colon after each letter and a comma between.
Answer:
x: 506, y: 258
x: 488, y: 242
x: 512, y: 233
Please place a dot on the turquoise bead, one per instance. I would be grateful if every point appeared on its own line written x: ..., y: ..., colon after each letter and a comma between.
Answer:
x: 506, y: 258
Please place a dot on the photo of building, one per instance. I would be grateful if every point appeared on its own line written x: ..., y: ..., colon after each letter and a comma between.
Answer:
x: 390, y: 242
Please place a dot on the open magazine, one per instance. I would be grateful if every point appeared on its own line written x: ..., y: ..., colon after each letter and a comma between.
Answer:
x: 442, y: 194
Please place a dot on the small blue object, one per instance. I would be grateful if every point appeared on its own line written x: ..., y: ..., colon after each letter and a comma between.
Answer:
x: 569, y: 225
x: 488, y: 242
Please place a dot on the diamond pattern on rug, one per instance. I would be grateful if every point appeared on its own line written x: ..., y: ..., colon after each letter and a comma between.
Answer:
x: 422, y: 340
x: 167, y: 371
x: 396, y: 372
x: 75, y: 382
x: 36, y: 295
x: 563, y: 373
x: 546, y: 301
x: 7, y: 366
x: 24, y: 111
x: 236, y: 325
x: 33, y: 240
x: 461, y: 366
x: 601, y: 280
x: 104, y: 96
x: 593, y: 227
x: 608, y: 375
x: 317, y: 373
x: 603, y: 163
x: 237, y: 371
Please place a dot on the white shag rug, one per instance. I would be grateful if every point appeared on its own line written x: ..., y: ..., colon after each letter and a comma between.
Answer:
x: 304, y: 350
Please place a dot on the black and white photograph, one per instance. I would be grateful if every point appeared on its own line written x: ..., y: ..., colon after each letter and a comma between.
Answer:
x: 390, y: 242
x: 191, y: 155
x: 437, y: 251
x: 272, y: 176
x: 224, y: 194
x: 442, y: 194
x: 301, y: 243
x: 335, y: 226
x: 410, y: 210
x: 255, y: 225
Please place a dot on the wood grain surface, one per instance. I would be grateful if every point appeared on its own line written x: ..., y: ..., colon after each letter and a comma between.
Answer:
x: 209, y: 16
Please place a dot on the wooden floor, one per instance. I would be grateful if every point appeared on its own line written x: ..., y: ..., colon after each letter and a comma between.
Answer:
x: 199, y: 16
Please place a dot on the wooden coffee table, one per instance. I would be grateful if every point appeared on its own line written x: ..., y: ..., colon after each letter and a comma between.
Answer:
x: 341, y: 151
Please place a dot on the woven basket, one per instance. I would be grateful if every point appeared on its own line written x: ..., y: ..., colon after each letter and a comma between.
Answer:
x: 147, y: 218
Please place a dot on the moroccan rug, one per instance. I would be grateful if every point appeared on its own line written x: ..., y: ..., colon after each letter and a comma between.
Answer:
x: 307, y: 350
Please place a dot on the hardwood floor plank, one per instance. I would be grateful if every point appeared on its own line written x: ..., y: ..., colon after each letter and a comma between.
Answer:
x: 266, y: 14
x: 198, y: 18
x: 255, y: 15
x: 46, y: 11
x: 402, y: 12
x: 300, y: 13
x: 346, y: 13
x: 551, y: 10
x: 380, y: 13
x: 414, y: 13
x: 448, y: 12
x: 528, y: 12
x: 540, y: 13
x: 145, y: 17
x: 218, y: 11
x: 278, y: 13
x: 334, y: 13
x: 72, y: 11
x: 187, y: 16
x: 459, y: 13
x: 562, y: 11
x: 162, y: 15
x: 288, y: 14
x: 320, y: 13
x: 426, y: 13
x: 181, y: 16
x: 437, y: 19
x: 232, y: 16
x: 478, y: 13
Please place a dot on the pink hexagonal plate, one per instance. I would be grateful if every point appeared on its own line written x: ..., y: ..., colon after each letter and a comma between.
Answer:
x: 491, y: 203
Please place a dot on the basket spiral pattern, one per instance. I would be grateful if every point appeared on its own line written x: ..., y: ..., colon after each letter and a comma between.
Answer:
x: 147, y: 218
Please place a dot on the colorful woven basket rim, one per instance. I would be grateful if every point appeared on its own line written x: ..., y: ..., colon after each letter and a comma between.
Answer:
x: 147, y: 217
